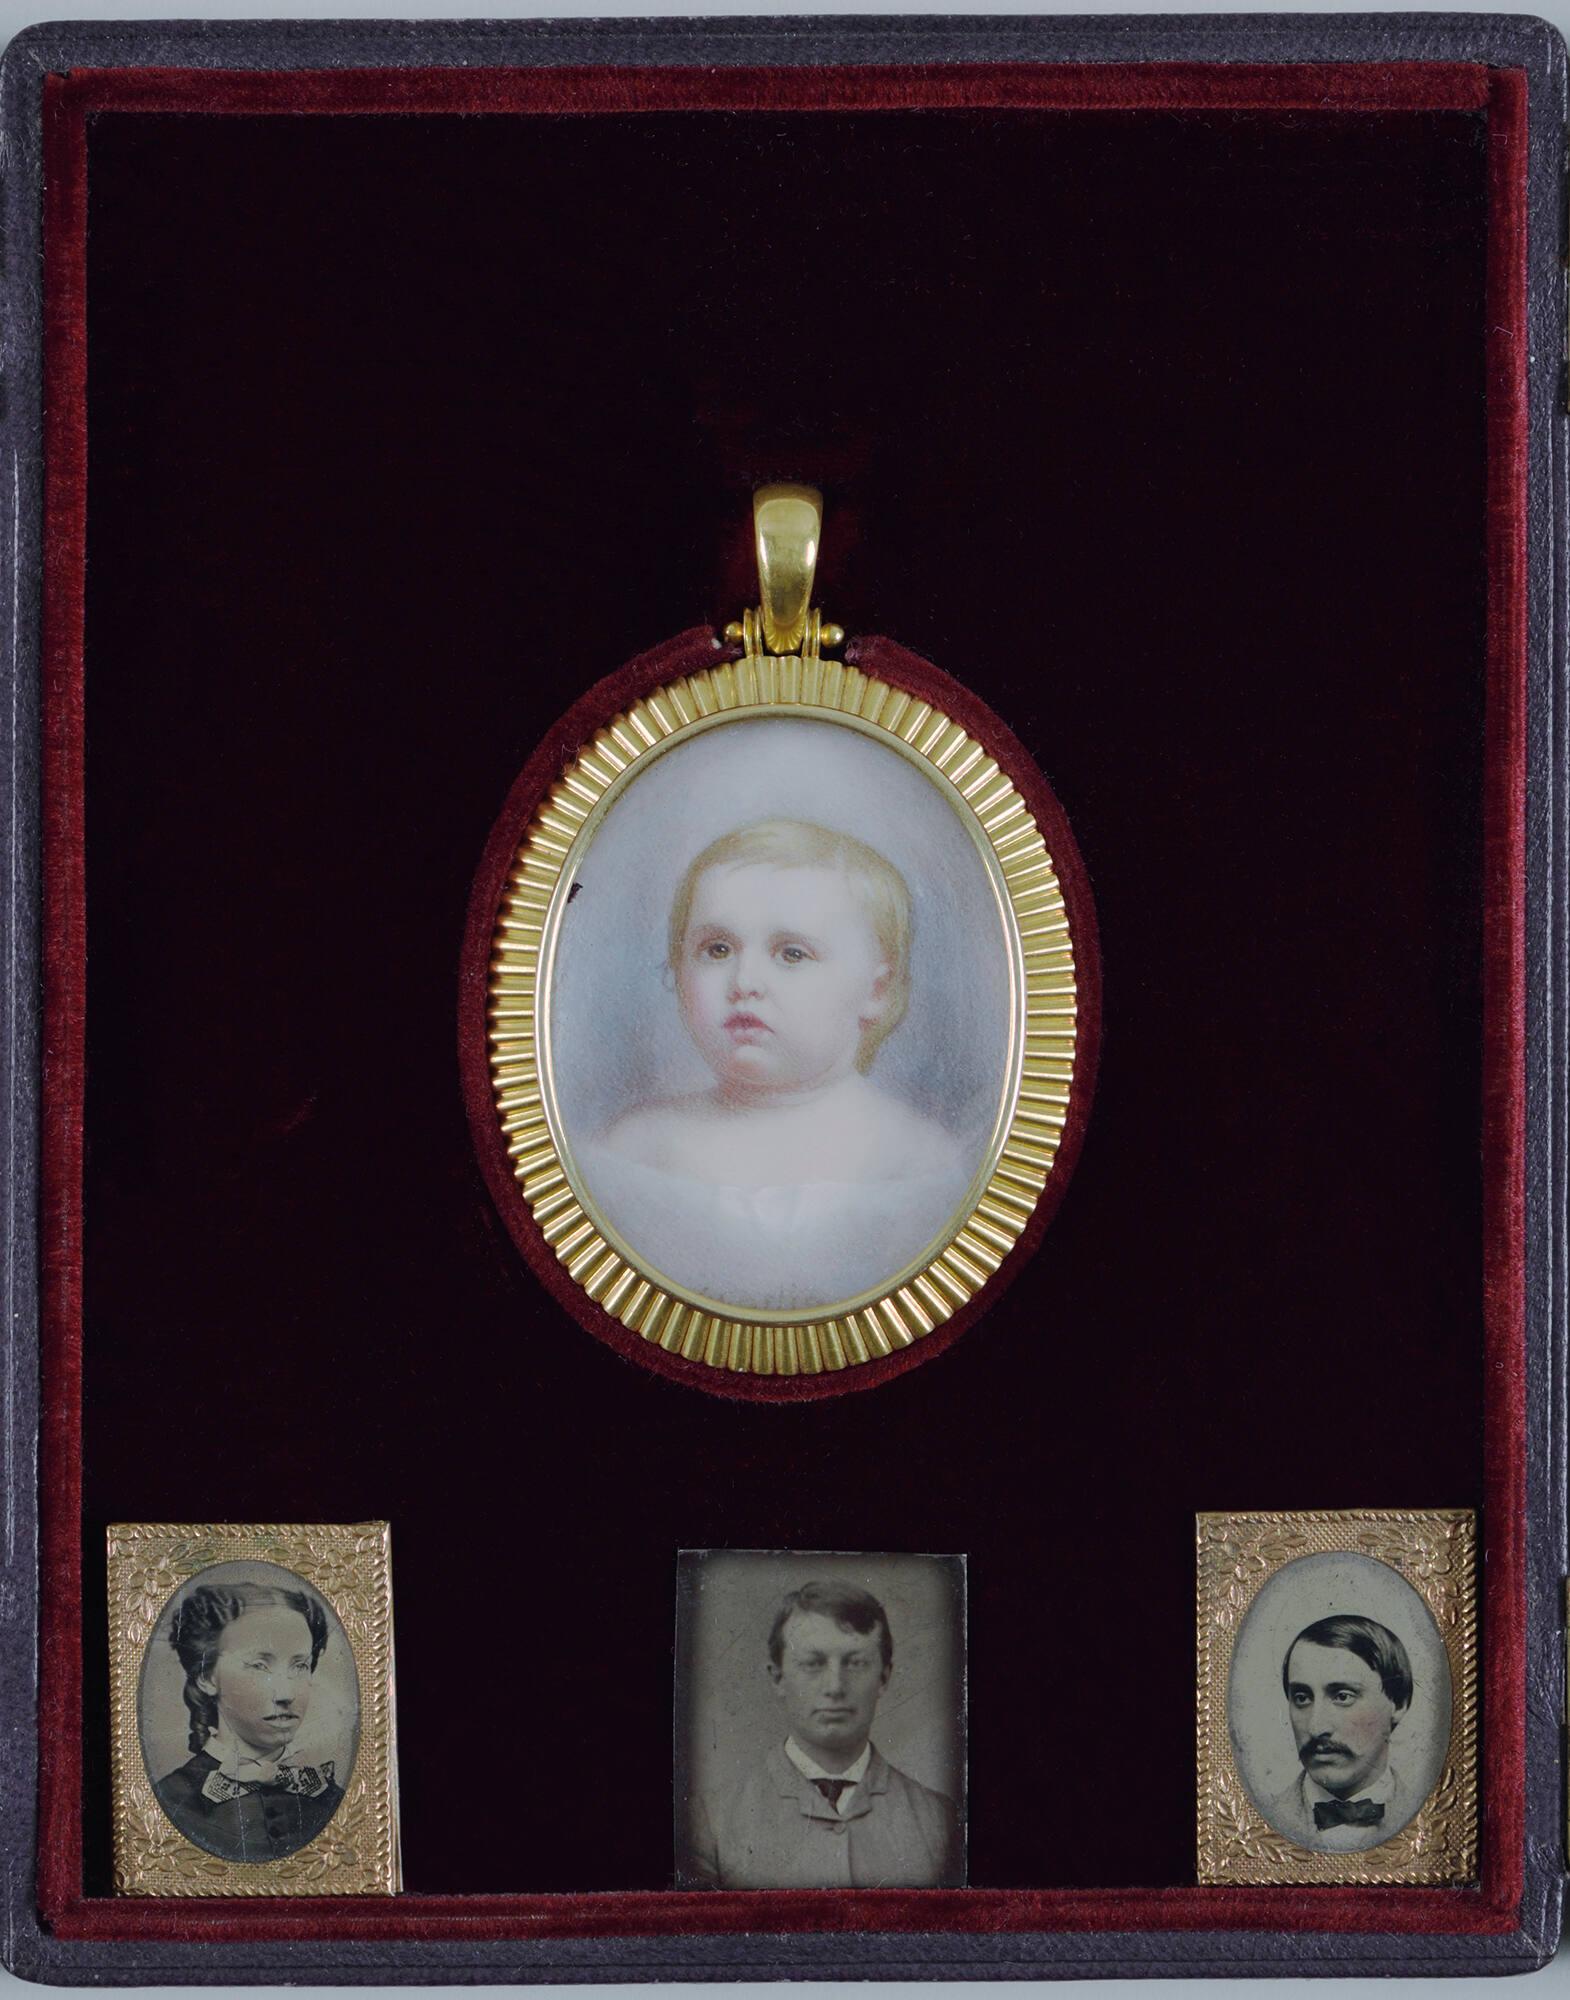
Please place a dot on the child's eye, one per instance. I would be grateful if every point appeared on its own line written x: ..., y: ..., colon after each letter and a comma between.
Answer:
x: 715, y: 948
x: 792, y: 954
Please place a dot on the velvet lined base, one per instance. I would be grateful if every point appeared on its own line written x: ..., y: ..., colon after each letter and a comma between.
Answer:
x: 321, y: 575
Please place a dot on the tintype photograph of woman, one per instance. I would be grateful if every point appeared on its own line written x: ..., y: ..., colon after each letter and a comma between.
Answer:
x: 267, y: 1691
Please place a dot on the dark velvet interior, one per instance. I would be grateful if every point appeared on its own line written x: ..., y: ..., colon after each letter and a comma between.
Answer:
x: 1164, y: 433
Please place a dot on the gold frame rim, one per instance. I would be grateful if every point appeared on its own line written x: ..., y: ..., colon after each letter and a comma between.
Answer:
x: 1432, y: 1550
x: 801, y: 1315
x: 1044, y: 1042
x: 356, y: 1853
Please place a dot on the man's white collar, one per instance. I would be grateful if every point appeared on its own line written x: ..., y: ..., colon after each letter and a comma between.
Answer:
x: 853, y: 1773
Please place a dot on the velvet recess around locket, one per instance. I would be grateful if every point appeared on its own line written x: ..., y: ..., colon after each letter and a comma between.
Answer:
x: 780, y: 1000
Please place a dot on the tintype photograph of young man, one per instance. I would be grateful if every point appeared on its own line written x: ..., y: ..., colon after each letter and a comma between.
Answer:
x: 819, y: 1720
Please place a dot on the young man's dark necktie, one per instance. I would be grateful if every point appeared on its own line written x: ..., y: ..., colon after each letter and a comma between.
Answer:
x: 832, y: 1787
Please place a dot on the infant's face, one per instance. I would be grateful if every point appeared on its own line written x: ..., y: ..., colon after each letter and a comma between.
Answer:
x: 780, y: 971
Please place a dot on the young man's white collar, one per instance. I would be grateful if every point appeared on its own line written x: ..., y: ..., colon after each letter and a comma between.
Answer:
x: 853, y: 1773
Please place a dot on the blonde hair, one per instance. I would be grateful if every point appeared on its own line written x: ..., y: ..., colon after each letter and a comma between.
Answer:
x: 877, y: 884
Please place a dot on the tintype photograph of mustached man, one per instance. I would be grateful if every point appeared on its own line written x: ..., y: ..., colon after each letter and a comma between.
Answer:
x: 1339, y: 1703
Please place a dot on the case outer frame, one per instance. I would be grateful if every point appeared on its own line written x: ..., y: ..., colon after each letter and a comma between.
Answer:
x: 1511, y: 42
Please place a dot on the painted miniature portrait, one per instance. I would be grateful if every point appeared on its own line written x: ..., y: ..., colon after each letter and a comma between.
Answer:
x: 820, y: 1721
x: 1339, y: 1703
x: 249, y: 1712
x: 780, y: 1027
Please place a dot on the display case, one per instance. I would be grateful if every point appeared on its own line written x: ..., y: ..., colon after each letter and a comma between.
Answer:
x: 384, y: 409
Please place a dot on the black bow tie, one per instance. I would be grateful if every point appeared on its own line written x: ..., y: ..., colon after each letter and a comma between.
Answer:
x: 1348, y: 1812
x: 832, y: 1787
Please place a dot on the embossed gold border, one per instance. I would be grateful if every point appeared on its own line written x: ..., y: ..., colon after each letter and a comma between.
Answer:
x: 1035, y: 1105
x: 356, y: 1853
x: 1237, y: 1555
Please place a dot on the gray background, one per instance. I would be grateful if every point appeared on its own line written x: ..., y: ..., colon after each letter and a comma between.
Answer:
x: 1554, y: 1982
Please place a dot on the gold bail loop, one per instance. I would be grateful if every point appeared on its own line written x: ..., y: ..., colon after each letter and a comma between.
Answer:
x: 787, y: 521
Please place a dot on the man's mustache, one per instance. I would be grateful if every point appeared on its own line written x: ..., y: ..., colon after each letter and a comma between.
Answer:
x: 1320, y: 1746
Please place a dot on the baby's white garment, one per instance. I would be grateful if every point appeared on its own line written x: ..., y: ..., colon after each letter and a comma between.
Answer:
x: 784, y: 1247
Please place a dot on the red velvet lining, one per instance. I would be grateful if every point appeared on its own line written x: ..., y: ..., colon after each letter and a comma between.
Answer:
x: 1491, y: 1909
x: 1504, y: 986
x: 64, y: 949
x: 984, y: 1912
x: 1037, y: 86
x: 690, y: 653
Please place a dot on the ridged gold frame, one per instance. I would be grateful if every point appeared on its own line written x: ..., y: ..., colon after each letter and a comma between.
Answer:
x: 1030, y: 1121
x: 356, y: 1853
x: 1237, y: 1555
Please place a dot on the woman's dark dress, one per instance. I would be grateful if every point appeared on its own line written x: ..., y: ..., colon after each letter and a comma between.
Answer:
x: 248, y: 1821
